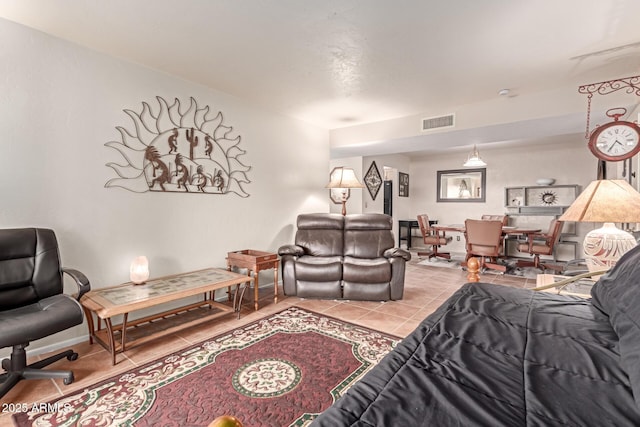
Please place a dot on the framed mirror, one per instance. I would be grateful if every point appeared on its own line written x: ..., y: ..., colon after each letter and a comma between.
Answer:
x: 461, y: 185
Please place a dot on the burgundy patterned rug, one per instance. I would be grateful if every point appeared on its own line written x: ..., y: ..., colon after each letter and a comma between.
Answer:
x: 278, y: 371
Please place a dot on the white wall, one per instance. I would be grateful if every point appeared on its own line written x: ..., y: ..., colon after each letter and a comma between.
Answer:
x: 401, y: 206
x: 61, y: 103
x: 569, y: 162
x: 361, y: 201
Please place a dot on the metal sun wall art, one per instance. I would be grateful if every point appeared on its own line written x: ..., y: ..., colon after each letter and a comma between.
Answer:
x: 179, y: 149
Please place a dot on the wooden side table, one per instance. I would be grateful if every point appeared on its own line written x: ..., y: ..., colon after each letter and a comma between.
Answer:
x: 255, y: 261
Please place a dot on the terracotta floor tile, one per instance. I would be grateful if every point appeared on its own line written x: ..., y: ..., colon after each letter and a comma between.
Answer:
x: 163, y: 346
x: 317, y: 305
x: 350, y: 313
x: 380, y: 321
x: 407, y: 327
x: 398, y: 309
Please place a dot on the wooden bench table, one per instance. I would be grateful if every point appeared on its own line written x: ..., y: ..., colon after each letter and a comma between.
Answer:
x: 123, y: 299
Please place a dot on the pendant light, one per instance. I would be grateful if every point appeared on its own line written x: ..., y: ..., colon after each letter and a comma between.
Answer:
x: 474, y: 160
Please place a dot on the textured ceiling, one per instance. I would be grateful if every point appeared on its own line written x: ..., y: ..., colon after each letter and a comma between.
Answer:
x: 339, y: 63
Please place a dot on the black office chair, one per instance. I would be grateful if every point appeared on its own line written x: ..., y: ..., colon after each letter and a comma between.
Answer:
x: 32, y: 302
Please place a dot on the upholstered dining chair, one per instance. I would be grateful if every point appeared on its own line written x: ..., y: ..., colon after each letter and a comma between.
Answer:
x: 542, y: 244
x: 484, y: 240
x: 32, y: 302
x: 433, y: 238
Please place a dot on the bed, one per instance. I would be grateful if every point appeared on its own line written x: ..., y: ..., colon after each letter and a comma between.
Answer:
x: 493, y: 355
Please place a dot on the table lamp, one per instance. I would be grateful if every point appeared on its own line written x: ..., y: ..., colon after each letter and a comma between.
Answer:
x: 607, y: 201
x: 344, y: 179
x: 139, y: 270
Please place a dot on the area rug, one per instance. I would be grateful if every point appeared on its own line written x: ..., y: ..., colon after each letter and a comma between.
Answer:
x: 454, y: 262
x: 282, y: 370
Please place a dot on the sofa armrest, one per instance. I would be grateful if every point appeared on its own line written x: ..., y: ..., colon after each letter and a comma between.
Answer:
x: 397, y: 253
x: 294, y: 250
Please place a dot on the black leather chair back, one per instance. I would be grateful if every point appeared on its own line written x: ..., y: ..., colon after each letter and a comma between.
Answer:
x: 29, y: 266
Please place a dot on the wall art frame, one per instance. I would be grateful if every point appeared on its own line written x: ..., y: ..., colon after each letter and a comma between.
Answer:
x: 180, y: 148
x: 403, y: 184
x: 461, y: 185
x: 373, y: 180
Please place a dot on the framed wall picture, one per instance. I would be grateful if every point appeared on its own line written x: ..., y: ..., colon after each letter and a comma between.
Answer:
x: 403, y: 180
x: 373, y: 180
x: 461, y: 185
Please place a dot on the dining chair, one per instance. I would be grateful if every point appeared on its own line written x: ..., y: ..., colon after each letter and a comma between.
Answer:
x: 432, y: 237
x: 484, y: 241
x: 542, y: 244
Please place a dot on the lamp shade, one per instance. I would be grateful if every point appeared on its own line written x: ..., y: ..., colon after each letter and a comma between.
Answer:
x: 605, y: 200
x: 342, y: 177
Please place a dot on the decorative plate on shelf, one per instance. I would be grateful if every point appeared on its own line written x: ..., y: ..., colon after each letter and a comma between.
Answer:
x: 548, y: 198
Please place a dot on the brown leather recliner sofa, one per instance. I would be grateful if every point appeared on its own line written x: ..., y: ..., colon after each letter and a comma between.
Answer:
x: 344, y: 257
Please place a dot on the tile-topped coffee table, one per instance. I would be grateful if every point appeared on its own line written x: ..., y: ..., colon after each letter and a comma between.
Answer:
x: 123, y: 299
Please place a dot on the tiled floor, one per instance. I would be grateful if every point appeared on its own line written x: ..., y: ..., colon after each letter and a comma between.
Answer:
x: 426, y: 288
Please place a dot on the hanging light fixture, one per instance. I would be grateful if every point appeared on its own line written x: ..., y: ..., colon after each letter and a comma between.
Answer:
x: 474, y: 160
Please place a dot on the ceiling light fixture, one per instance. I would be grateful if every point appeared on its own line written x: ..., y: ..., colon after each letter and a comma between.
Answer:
x: 474, y: 160
x: 503, y: 92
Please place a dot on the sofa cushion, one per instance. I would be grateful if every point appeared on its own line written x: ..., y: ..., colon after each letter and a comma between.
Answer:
x: 367, y: 235
x: 320, y: 234
x: 377, y: 270
x: 617, y: 294
x: 319, y: 269
x: 365, y: 291
x: 313, y: 289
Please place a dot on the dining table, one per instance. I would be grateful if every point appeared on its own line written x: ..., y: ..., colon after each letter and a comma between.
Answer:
x: 507, y: 231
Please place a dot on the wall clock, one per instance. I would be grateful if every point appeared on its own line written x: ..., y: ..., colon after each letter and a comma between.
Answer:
x: 373, y: 180
x: 617, y: 140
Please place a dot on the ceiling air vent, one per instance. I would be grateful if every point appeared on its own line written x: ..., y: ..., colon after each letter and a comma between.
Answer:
x: 438, y: 122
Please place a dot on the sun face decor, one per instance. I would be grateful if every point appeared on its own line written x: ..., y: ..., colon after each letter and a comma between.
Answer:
x: 548, y: 198
x: 179, y: 149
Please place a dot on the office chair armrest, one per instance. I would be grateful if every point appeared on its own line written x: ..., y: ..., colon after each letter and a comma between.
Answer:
x: 81, y: 280
x: 439, y: 233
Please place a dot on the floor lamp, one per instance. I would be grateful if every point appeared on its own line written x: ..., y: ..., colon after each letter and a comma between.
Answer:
x: 344, y: 179
x: 608, y: 201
